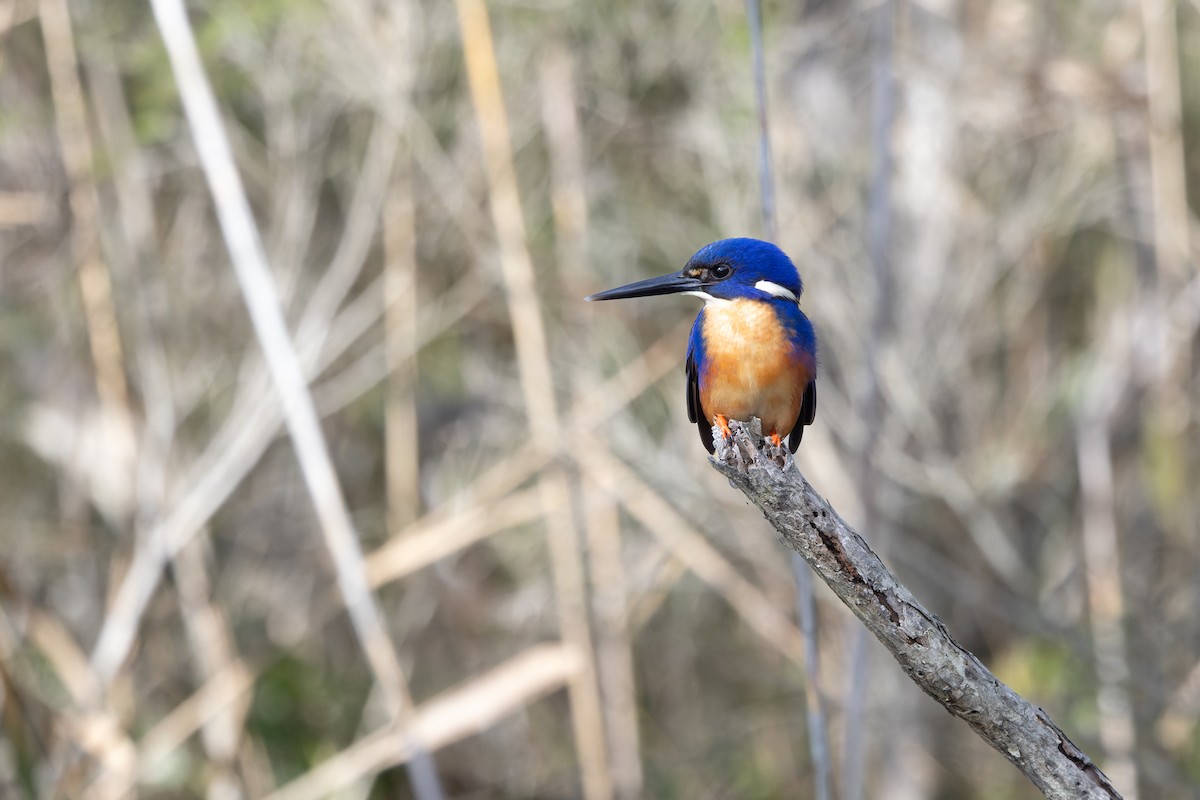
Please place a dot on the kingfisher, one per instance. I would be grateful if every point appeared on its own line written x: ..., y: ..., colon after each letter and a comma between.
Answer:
x: 752, y: 352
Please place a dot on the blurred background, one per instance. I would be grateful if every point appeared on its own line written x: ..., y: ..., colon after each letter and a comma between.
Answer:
x: 987, y: 200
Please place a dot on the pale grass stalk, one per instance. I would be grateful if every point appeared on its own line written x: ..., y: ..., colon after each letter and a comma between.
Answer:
x: 95, y: 282
x: 359, y: 316
x: 23, y: 208
x: 806, y: 605
x: 646, y: 604
x: 48, y: 634
x: 94, y: 729
x: 214, y: 474
x: 614, y: 654
x: 1102, y: 574
x: 564, y: 139
x: 371, y: 368
x: 222, y: 692
x: 402, y: 456
x: 135, y: 243
x: 130, y: 180
x: 879, y: 243
x: 611, y: 476
x: 255, y: 423
x: 766, y: 169
x: 1169, y: 346
x: 537, y: 386
x: 1177, y: 723
x: 135, y: 212
x: 1172, y: 219
x: 213, y: 477
x: 258, y: 289
x: 454, y: 195
x: 422, y: 544
x: 256, y: 418
x: 99, y: 735
x: 463, y: 711
x: 9, y: 18
x: 80, y: 727
x: 587, y: 414
x: 489, y: 503
x: 814, y: 702
x: 571, y: 600
x: 938, y: 476
x: 254, y: 765
x: 371, y: 192
x: 434, y: 538
x: 213, y: 653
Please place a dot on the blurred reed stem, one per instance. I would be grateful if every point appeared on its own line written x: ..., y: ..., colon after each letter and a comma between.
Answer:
x: 879, y: 228
x: 402, y: 454
x: 806, y: 604
x: 95, y: 282
x: 602, y: 526
x: 287, y: 373
x: 537, y: 387
x: 455, y: 714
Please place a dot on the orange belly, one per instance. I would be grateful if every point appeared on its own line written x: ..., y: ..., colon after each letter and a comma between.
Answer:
x: 751, y: 368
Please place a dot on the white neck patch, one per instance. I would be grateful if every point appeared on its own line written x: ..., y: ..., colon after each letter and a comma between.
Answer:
x: 706, y: 297
x: 775, y: 290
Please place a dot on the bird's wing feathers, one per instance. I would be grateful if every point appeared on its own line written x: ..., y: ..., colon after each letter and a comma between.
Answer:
x: 693, y: 387
x: 808, y: 413
x: 695, y: 411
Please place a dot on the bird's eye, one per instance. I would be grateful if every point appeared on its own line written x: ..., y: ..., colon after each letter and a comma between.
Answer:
x: 721, y: 272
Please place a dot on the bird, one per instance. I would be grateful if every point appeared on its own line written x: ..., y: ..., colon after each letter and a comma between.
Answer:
x: 752, y: 352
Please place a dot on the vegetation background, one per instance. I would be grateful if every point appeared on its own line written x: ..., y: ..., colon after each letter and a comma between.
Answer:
x: 987, y: 200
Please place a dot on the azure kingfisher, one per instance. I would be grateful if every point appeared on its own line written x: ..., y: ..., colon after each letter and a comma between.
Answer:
x: 752, y: 352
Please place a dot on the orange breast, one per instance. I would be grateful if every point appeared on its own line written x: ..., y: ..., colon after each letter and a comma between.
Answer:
x: 751, y: 368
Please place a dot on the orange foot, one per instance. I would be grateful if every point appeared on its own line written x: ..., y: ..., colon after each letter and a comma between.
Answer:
x: 723, y: 424
x: 775, y: 440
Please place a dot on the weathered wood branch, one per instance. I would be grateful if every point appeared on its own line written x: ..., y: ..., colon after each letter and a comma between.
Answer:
x: 918, y: 640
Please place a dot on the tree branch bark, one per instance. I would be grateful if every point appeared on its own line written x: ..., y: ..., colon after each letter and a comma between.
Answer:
x: 918, y: 640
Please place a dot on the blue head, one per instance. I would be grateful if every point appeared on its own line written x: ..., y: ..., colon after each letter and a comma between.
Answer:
x: 724, y: 270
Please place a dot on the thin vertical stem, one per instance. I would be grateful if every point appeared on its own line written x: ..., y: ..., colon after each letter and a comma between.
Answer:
x: 814, y: 708
x: 533, y: 364
x: 400, y: 322
x: 1106, y: 603
x: 766, y: 171
x: 95, y: 282
x: 1172, y: 409
x: 567, y: 168
x: 614, y: 655
x: 1167, y: 164
x: 266, y: 313
x: 602, y: 525
x: 806, y: 604
x: 879, y: 226
x: 214, y: 653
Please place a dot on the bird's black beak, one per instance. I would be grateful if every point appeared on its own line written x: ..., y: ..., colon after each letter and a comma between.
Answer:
x: 675, y: 283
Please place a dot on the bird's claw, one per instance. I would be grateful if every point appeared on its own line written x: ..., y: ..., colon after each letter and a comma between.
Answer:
x: 730, y: 447
x: 744, y: 445
x: 775, y: 449
x: 737, y: 447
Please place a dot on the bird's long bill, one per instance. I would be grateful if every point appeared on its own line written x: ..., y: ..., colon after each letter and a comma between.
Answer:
x: 664, y: 284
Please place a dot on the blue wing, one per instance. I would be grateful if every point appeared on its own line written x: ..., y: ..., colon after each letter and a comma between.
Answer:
x: 695, y: 356
x: 805, y: 339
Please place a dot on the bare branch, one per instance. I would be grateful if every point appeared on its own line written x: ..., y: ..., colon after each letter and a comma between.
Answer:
x: 918, y: 640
